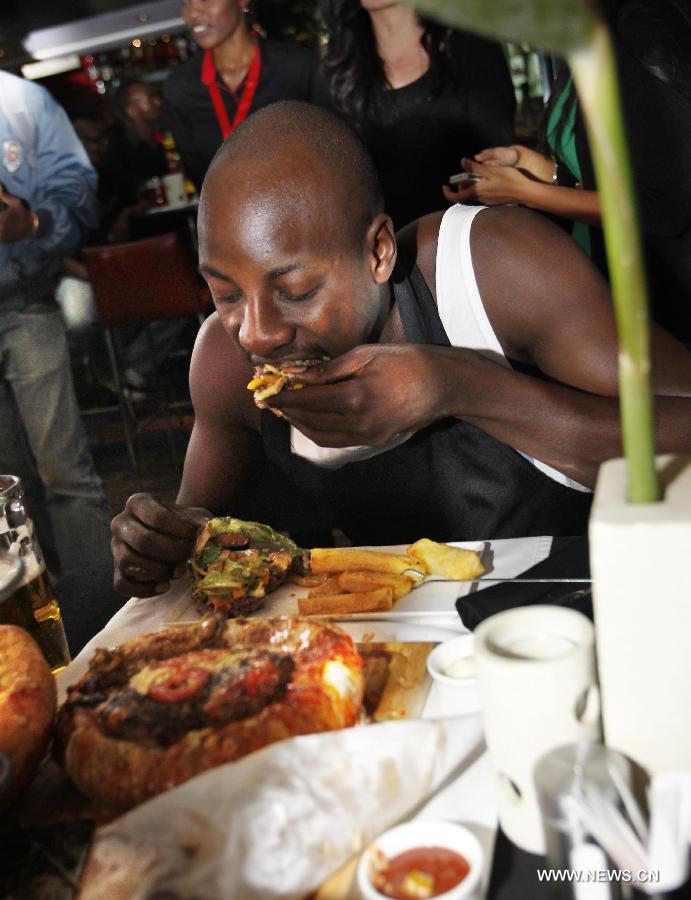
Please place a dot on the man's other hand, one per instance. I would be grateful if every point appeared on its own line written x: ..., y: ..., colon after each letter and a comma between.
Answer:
x: 15, y: 219
x: 152, y: 540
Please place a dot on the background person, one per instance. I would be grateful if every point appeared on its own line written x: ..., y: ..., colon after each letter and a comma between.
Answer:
x: 120, y: 205
x: 653, y: 46
x: 471, y: 387
x: 416, y: 92
x: 235, y: 73
x: 48, y: 202
x: 135, y: 139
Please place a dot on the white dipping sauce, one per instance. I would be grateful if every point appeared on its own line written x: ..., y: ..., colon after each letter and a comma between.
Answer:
x: 463, y: 667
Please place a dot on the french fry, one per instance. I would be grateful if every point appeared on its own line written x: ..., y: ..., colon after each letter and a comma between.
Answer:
x: 368, y: 581
x: 379, y: 600
x: 449, y: 562
x: 309, y: 581
x: 341, y: 559
x: 330, y: 585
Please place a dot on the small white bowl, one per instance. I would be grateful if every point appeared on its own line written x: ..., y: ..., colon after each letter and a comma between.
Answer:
x: 460, y: 695
x: 422, y: 833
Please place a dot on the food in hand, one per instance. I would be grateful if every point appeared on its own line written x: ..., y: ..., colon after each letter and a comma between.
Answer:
x: 449, y: 562
x: 235, y: 564
x: 27, y: 706
x: 166, y: 706
x: 270, y: 380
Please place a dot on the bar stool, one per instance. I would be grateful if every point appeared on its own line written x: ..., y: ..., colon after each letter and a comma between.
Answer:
x: 137, y: 283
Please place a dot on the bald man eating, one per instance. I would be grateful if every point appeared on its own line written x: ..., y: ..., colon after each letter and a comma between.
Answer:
x: 467, y: 387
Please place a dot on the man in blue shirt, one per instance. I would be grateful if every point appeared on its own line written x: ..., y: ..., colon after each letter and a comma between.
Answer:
x: 47, y: 202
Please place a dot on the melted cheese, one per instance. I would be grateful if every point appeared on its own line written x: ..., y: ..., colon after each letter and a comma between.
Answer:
x: 339, y: 677
x: 211, y: 660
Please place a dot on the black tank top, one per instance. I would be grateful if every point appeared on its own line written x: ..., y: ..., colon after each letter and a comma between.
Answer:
x: 449, y: 481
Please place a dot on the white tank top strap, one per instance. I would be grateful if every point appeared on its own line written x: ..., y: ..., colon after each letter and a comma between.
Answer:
x: 460, y: 305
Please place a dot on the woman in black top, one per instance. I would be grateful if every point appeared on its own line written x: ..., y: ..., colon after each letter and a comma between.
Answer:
x: 235, y: 73
x: 420, y: 95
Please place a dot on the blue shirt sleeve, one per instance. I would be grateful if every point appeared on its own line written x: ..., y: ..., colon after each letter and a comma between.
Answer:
x: 64, y: 190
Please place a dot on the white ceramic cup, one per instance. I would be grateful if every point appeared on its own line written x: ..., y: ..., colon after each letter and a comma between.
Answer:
x: 458, y: 694
x: 175, y: 189
x: 536, y: 669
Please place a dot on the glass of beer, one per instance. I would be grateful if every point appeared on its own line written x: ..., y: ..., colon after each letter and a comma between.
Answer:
x: 31, y: 604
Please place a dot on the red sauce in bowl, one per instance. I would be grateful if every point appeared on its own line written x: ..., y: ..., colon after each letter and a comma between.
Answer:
x: 419, y: 872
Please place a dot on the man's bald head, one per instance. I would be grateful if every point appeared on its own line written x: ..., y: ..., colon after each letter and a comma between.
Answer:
x: 304, y: 155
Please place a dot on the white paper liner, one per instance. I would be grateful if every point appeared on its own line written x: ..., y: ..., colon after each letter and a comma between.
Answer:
x: 277, y: 823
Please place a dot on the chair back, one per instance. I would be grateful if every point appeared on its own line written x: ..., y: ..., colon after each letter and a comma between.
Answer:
x: 141, y: 281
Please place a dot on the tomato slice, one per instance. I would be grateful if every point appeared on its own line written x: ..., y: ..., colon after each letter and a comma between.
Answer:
x: 181, y: 685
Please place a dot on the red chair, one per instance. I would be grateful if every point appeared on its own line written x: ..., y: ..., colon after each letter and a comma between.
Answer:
x: 138, y: 283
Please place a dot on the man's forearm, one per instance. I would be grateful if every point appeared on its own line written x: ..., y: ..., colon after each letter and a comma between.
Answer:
x: 570, y: 430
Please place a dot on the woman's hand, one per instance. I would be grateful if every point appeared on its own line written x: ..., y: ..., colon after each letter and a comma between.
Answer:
x: 530, y: 162
x: 500, y: 156
x: 367, y: 396
x: 497, y: 185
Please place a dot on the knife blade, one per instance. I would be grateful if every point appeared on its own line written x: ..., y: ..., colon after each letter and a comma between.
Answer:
x: 505, y: 581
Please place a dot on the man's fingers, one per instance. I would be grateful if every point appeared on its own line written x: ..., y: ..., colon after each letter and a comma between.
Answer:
x: 317, y: 422
x: 333, y: 371
x: 138, y: 576
x: 327, y: 398
x: 150, y: 544
x: 136, y: 568
x: 166, y: 518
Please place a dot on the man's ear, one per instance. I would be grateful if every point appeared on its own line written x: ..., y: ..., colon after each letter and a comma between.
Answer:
x: 382, y: 247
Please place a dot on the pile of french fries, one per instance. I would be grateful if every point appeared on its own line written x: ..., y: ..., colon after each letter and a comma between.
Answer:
x: 345, y: 580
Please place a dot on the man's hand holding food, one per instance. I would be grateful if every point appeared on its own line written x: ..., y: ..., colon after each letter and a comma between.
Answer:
x: 368, y: 395
x: 152, y: 541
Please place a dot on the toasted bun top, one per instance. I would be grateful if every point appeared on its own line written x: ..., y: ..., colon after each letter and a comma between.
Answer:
x: 28, y: 698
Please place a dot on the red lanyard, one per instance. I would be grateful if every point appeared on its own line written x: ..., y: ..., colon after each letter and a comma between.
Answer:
x: 246, y: 97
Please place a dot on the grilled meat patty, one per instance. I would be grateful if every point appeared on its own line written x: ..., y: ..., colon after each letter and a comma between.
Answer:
x: 164, y: 700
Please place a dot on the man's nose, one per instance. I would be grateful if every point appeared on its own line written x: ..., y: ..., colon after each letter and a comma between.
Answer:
x: 263, y: 331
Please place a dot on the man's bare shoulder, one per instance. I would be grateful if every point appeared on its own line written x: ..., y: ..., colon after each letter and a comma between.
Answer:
x: 219, y: 373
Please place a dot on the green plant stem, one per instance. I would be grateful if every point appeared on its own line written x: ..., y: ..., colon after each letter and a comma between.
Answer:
x: 595, y: 76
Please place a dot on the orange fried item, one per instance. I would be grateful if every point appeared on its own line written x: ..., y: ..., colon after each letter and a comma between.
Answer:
x: 379, y: 600
x: 27, y: 706
x: 368, y: 581
x: 309, y: 581
x: 342, y: 559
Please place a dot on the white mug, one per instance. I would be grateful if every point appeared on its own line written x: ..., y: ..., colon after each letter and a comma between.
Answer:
x: 175, y: 189
x: 536, y: 669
